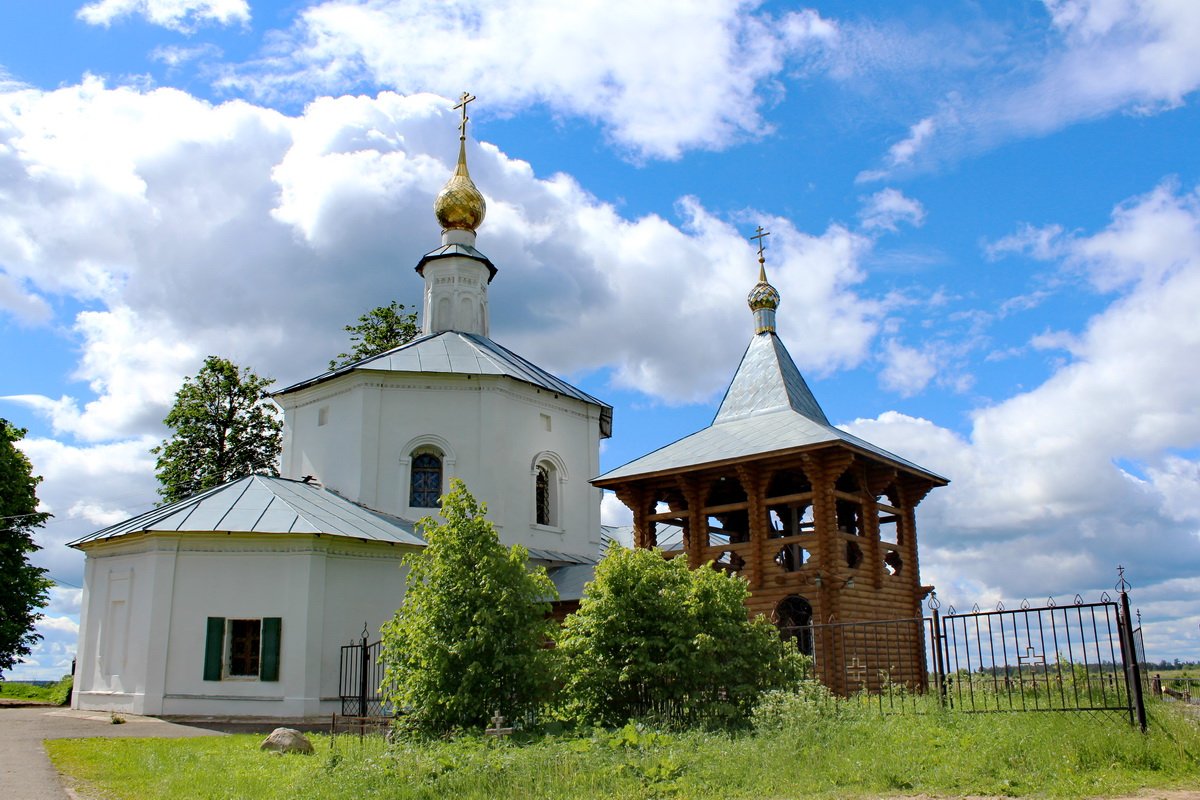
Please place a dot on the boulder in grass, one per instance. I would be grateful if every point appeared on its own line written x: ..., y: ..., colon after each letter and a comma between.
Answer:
x: 287, y: 740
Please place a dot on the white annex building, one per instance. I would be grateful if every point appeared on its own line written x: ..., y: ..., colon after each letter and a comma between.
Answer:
x: 236, y: 601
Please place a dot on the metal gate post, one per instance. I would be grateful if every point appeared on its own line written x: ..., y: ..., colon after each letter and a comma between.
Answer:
x: 364, y: 667
x: 1133, y: 670
x: 939, y: 664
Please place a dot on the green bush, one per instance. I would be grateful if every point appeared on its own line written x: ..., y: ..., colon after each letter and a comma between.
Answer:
x: 60, y: 693
x: 469, y: 640
x: 56, y: 693
x: 655, y: 640
x: 795, y: 709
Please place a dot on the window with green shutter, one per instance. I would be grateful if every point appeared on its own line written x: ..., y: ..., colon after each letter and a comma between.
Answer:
x: 242, y: 648
x: 214, y: 649
x: 272, y: 627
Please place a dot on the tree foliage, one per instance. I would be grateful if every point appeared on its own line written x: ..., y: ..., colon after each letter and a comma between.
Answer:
x: 23, y: 587
x: 469, y: 640
x: 225, y: 427
x: 378, y: 331
x: 653, y: 638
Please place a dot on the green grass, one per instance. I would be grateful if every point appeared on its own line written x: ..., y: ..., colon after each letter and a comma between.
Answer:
x: 55, y: 694
x: 818, y: 750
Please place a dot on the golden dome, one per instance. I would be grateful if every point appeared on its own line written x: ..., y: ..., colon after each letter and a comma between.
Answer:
x: 460, y: 206
x: 763, y: 295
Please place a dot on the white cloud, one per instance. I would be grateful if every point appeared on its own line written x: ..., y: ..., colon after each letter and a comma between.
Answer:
x: 175, y: 56
x: 178, y: 15
x: 27, y: 307
x: 661, y: 77
x: 1098, y: 57
x: 906, y: 370
x: 1043, y: 243
x: 613, y: 511
x: 887, y: 208
x: 1040, y: 502
x: 191, y: 229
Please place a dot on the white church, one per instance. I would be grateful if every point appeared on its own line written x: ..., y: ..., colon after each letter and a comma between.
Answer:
x: 236, y: 601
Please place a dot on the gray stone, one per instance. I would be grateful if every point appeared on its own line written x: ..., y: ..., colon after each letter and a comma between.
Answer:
x: 287, y: 740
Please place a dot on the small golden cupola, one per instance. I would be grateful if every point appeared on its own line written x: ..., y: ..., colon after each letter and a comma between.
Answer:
x: 456, y: 274
x: 460, y: 205
x: 763, y: 298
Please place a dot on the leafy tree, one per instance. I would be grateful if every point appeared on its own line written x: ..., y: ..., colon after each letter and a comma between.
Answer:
x: 469, y: 640
x: 23, y: 587
x: 378, y: 331
x: 654, y: 638
x: 224, y: 428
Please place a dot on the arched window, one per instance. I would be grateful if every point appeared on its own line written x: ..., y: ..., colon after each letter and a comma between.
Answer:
x: 545, y: 505
x: 548, y: 474
x: 793, y: 616
x: 425, y: 487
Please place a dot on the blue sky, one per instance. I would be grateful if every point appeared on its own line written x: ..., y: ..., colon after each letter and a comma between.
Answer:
x: 985, y: 226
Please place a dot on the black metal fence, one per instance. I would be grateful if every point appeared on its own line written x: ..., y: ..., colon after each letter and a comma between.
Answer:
x: 1083, y: 657
x: 360, y: 677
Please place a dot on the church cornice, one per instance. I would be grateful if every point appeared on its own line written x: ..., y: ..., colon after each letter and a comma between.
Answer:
x: 208, y: 542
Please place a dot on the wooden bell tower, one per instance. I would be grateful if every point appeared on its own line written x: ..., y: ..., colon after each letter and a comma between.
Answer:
x: 820, y: 523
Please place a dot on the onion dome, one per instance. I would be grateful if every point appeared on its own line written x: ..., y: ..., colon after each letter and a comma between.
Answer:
x: 763, y: 300
x: 460, y: 206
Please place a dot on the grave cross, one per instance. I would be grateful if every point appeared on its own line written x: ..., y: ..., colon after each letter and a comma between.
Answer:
x: 497, y: 728
x: 857, y: 671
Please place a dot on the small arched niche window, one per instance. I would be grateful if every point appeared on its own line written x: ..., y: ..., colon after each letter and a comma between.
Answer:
x: 425, y: 486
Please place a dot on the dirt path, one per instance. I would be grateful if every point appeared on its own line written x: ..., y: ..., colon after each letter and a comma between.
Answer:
x: 25, y: 769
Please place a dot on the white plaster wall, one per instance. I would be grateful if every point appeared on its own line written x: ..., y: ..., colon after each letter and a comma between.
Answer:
x: 115, y: 651
x: 490, y: 427
x: 321, y: 587
x: 361, y: 588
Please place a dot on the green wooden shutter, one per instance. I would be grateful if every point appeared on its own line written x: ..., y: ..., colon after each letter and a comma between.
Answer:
x: 214, y: 649
x: 271, y: 630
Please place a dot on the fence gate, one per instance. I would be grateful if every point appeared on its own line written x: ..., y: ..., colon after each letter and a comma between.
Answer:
x: 1079, y: 657
x: 359, y: 678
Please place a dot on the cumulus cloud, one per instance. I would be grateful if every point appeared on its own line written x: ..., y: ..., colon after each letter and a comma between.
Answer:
x: 902, y: 152
x: 191, y: 229
x: 179, y: 15
x: 906, y: 370
x: 1099, y: 57
x: 661, y: 77
x: 175, y: 56
x: 1049, y: 478
x: 887, y: 208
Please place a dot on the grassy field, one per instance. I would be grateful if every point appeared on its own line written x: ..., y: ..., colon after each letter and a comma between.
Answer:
x: 797, y: 751
x: 54, y: 693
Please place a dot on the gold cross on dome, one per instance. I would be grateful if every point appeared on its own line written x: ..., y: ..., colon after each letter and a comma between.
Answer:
x: 760, y: 235
x: 462, y: 103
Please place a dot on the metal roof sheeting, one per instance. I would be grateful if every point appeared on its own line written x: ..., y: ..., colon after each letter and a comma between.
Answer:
x: 456, y: 353
x: 768, y: 408
x: 264, y: 504
x: 570, y: 581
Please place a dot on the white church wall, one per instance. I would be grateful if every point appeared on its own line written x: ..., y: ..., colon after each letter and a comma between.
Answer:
x: 116, y: 656
x: 323, y: 430
x: 489, y: 429
x: 363, y: 587
x: 144, y: 631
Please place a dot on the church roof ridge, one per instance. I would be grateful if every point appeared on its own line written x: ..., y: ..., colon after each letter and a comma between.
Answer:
x: 459, y: 353
x: 264, y: 504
